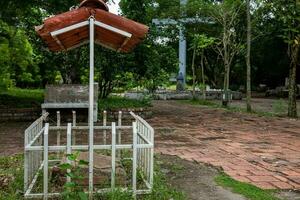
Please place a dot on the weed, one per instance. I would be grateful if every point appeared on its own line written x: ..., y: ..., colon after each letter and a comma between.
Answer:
x: 251, y: 192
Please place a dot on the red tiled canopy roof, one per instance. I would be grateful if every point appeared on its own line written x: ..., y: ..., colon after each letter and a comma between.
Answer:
x: 107, y: 38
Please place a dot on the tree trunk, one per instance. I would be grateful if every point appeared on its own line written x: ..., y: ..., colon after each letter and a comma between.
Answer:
x: 194, y: 74
x: 292, y: 108
x: 248, y: 56
x: 225, y: 98
x: 203, y: 77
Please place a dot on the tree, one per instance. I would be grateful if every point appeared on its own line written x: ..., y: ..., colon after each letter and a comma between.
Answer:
x: 152, y: 60
x: 16, y: 60
x: 288, y: 12
x: 248, y: 57
x: 199, y: 44
x: 226, y: 15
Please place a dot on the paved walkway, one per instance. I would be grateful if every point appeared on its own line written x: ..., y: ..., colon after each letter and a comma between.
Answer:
x: 257, y: 150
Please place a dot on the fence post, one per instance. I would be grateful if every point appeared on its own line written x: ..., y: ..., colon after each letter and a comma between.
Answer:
x: 26, y: 159
x: 151, y: 157
x: 58, y: 123
x: 113, y: 154
x: 104, y: 124
x: 74, y: 125
x: 69, y: 149
x: 134, y: 158
x: 46, y: 161
x: 119, y: 132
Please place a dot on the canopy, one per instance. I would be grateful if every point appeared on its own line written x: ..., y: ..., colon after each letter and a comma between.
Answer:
x: 70, y: 29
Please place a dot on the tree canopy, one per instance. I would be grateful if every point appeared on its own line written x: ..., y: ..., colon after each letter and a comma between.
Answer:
x: 26, y: 62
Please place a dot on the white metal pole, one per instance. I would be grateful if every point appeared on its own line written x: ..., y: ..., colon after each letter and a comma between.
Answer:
x: 134, y: 159
x: 119, y: 132
x: 58, y: 136
x: 113, y: 155
x: 46, y: 161
x: 91, y: 109
x: 74, y: 125
x: 69, y: 149
x: 104, y: 124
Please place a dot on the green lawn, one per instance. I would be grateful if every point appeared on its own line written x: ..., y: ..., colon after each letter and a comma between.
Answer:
x: 213, y: 104
x: 21, y: 98
x: 32, y: 98
x: 249, y: 191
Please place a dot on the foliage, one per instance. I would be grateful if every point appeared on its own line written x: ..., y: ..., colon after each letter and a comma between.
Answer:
x: 16, y: 61
x: 153, y: 60
x: 249, y: 191
x: 288, y: 13
x: 26, y: 62
x: 72, y: 189
x: 201, y: 42
x: 12, y: 167
x: 21, y: 98
x: 11, y: 177
x: 161, y: 189
x: 116, y: 103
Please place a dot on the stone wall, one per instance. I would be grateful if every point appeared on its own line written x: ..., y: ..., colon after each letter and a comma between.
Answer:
x: 187, y: 95
x: 69, y: 93
x: 23, y: 114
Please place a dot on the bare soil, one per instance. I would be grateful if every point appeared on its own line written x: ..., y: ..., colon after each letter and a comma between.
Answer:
x: 195, y: 180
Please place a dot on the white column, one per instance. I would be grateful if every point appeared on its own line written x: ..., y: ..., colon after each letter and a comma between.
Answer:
x: 91, y: 109
x: 182, y: 45
x: 182, y: 52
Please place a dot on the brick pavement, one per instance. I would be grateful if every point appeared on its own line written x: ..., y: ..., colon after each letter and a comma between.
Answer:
x: 262, y: 151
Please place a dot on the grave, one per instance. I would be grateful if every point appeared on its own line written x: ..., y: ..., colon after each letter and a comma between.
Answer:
x: 89, y: 23
x: 70, y: 98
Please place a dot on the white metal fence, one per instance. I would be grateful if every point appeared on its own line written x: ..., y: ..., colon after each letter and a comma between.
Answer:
x: 38, y: 150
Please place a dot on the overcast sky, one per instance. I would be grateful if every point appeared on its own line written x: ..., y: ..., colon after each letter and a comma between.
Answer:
x: 114, y: 7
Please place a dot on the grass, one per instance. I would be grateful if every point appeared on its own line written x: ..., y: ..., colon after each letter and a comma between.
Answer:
x: 116, y: 103
x: 212, y: 104
x: 11, y: 177
x: 11, y: 168
x: 21, y: 98
x: 249, y: 191
x: 32, y: 98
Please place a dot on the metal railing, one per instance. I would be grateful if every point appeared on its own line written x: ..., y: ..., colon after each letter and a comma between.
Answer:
x: 37, y: 151
x: 33, y: 159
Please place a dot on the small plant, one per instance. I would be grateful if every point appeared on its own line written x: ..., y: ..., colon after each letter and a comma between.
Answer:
x: 72, y: 189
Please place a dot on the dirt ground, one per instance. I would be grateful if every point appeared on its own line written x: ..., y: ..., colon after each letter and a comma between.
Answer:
x: 12, y: 137
x: 195, y: 180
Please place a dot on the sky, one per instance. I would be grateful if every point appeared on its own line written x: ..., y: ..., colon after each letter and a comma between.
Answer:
x: 114, y: 7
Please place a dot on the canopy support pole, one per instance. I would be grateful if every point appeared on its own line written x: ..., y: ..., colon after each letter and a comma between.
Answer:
x: 91, y: 108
